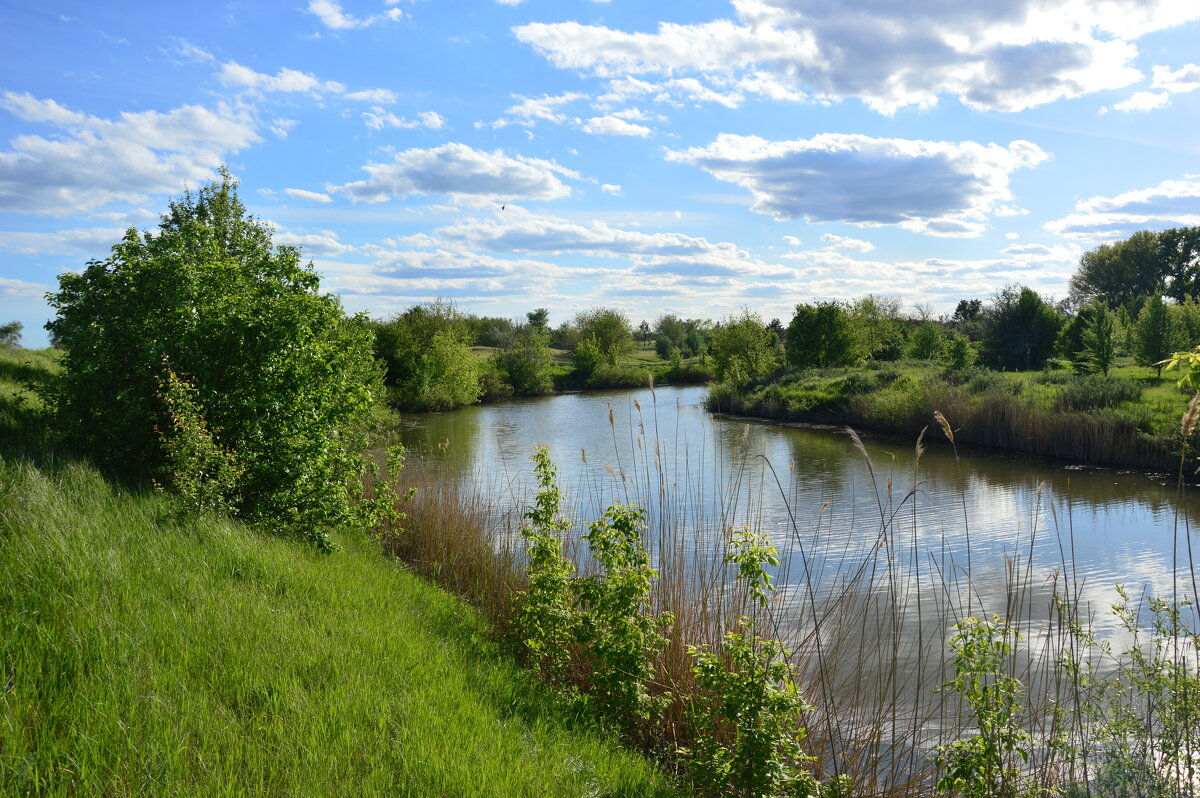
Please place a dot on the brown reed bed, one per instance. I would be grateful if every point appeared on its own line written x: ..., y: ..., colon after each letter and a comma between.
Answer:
x: 869, y: 649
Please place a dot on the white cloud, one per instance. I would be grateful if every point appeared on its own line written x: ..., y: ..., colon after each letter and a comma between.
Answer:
x: 1140, y: 101
x: 332, y: 16
x: 931, y: 187
x: 378, y: 119
x: 286, y: 80
x: 530, y: 110
x: 193, y: 52
x: 1000, y: 56
x: 1172, y: 203
x: 842, y: 242
x: 1186, y: 78
x: 308, y: 196
x: 609, y: 188
x: 94, y: 161
x: 460, y: 171
x: 613, y: 126
x: 86, y: 241
x: 20, y: 289
x: 377, y: 96
x: 323, y: 243
x: 281, y: 127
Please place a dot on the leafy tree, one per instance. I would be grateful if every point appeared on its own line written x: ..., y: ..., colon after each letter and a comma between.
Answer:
x: 1019, y: 329
x: 493, y: 331
x: 927, y: 341
x: 1100, y: 339
x: 644, y: 332
x: 967, y: 310
x: 741, y: 349
x: 427, y: 352
x: 1070, y: 342
x: 609, y: 328
x: 285, y: 380
x: 10, y: 333
x: 1179, y: 250
x: 1185, y: 317
x: 959, y: 353
x: 539, y: 319
x: 1117, y: 273
x: 586, y: 358
x: 878, y: 327
x: 527, y: 363
x: 1154, y: 335
x: 822, y: 335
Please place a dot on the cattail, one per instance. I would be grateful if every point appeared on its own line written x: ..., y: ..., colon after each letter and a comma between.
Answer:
x: 637, y: 405
x: 611, y: 418
x: 941, y: 420
x: 1190, y: 417
x: 583, y: 455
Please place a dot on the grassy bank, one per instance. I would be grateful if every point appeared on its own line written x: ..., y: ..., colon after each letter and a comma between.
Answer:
x: 142, y: 653
x: 145, y: 655
x: 1130, y: 418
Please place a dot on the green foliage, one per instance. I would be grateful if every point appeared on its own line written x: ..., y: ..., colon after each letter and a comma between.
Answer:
x: 1019, y: 329
x: 741, y: 349
x: 545, y: 619
x: 959, y: 353
x: 609, y: 329
x: 1185, y: 317
x: 878, y: 327
x: 746, y: 714
x: 378, y: 508
x: 285, y: 380
x: 616, y: 626
x: 1100, y: 340
x: 427, y: 353
x: 822, y: 335
x: 539, y: 319
x: 527, y: 363
x: 10, y: 333
x: 586, y: 358
x: 927, y: 342
x: 1154, y: 334
x: 1069, y: 343
x: 988, y: 764
x: 1094, y: 392
x: 202, y: 474
x: 1119, y: 272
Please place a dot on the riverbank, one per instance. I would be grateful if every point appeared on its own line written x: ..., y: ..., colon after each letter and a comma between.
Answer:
x: 1129, y: 419
x: 145, y: 652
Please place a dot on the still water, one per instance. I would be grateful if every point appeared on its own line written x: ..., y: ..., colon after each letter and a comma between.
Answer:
x: 970, y: 523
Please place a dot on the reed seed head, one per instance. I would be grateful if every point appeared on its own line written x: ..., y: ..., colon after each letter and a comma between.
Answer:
x: 944, y: 424
x: 1188, y: 426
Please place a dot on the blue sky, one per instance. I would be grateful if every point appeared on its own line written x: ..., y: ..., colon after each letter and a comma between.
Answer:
x: 694, y: 158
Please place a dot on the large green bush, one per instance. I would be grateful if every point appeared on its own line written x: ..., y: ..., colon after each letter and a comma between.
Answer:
x: 285, y: 379
x: 427, y: 353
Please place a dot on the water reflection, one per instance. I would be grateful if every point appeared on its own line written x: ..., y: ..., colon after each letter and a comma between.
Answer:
x: 830, y: 511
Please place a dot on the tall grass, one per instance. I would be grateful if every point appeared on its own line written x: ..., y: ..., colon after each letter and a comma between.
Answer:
x: 868, y: 626
x: 141, y: 654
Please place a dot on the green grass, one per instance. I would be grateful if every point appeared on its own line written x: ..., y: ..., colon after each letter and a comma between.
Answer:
x: 144, y: 655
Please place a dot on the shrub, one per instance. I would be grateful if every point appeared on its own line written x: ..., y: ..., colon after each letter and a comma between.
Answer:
x: 526, y: 363
x: 1095, y: 391
x: 427, y: 352
x: 285, y: 379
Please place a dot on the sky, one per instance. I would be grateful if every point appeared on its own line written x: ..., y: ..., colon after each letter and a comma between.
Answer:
x: 694, y: 157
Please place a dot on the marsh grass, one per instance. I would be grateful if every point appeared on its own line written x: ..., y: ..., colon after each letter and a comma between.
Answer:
x: 868, y: 625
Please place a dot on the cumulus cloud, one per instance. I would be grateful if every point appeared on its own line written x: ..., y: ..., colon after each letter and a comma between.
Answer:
x: 91, y: 161
x: 843, y: 242
x: 931, y: 187
x: 531, y: 110
x: 21, y: 289
x: 286, y: 80
x: 331, y: 15
x: 610, y: 188
x: 1140, y: 101
x: 308, y: 196
x: 378, y: 119
x: 1166, y: 81
x: 1172, y: 203
x: 614, y: 126
x: 86, y: 241
x: 999, y: 56
x: 460, y: 171
x: 323, y: 243
x: 377, y: 96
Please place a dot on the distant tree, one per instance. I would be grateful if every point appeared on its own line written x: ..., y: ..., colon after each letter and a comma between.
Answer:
x: 967, y: 310
x: 539, y: 319
x: 1019, y: 329
x: 564, y: 336
x: 664, y: 346
x: 822, y: 335
x: 741, y: 349
x: 492, y: 331
x: 1119, y: 272
x: 609, y: 329
x: 1070, y: 343
x: 1100, y: 339
x: 586, y: 358
x: 1179, y: 250
x: 959, y: 353
x: 526, y: 362
x: 1154, y: 334
x: 427, y: 353
x: 878, y: 326
x: 644, y: 332
x: 926, y: 342
x: 10, y: 333
x: 1185, y: 317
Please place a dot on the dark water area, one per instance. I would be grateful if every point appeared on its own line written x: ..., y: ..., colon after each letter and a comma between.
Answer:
x: 971, y: 524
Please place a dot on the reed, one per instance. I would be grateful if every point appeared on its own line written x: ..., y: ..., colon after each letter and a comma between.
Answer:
x: 868, y: 627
